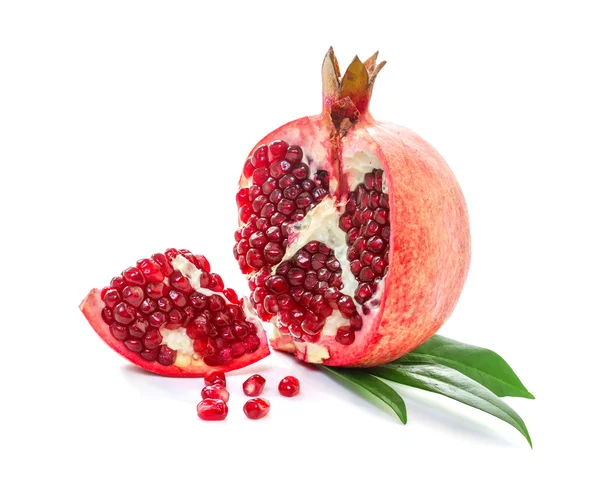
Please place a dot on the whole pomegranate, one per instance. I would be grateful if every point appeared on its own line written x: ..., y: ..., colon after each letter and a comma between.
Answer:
x: 354, y: 233
x: 170, y: 315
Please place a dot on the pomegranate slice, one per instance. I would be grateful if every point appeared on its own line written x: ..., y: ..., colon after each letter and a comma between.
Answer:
x: 170, y: 315
x: 353, y: 233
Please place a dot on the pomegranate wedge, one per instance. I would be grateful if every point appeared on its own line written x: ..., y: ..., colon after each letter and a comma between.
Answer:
x: 353, y: 233
x: 170, y: 315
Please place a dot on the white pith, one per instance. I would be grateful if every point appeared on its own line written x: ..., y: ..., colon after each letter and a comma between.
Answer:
x: 322, y: 224
x: 177, y: 339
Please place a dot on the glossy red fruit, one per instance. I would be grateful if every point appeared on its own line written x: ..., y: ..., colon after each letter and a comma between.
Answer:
x: 215, y: 392
x: 254, y: 385
x: 212, y: 409
x: 256, y: 408
x: 354, y: 233
x: 214, y: 377
x: 170, y: 315
x: 289, y: 386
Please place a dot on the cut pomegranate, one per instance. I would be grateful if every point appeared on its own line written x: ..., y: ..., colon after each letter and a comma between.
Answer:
x: 289, y: 386
x: 254, y: 385
x: 212, y: 409
x: 215, y: 377
x: 170, y: 315
x: 215, y: 391
x: 256, y: 408
x: 353, y: 234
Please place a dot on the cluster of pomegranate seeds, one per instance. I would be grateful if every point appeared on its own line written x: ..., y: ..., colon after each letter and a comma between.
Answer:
x: 280, y: 195
x: 289, y: 386
x: 366, y: 222
x: 254, y: 385
x: 256, y: 408
x: 153, y: 295
x: 215, y: 397
x: 305, y: 290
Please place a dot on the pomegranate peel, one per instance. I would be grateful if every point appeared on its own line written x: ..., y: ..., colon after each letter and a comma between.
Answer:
x: 170, y: 316
x: 354, y: 233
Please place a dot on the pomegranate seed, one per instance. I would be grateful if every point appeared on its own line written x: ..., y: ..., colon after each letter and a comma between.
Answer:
x: 107, y: 315
x: 248, y: 168
x: 134, y: 345
x: 212, y: 410
x: 304, y: 200
x: 245, y: 212
x: 166, y: 356
x: 269, y: 186
x: 215, y: 377
x: 242, y: 197
x: 124, y: 313
x: 118, y: 331
x: 256, y: 408
x: 117, y: 283
x: 254, y: 258
x: 254, y: 385
x: 138, y: 328
x: 345, y: 335
x: 260, y: 157
x: 150, y: 354
x: 150, y: 269
x: 294, y: 154
x: 273, y: 252
x: 300, y: 171
x: 112, y: 297
x: 216, y: 391
x: 289, y: 386
x: 363, y: 292
x: 375, y: 244
x: 278, y: 149
x: 134, y: 276
x: 260, y: 176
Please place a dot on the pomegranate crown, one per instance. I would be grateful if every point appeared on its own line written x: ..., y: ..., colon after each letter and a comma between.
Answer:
x: 348, y: 97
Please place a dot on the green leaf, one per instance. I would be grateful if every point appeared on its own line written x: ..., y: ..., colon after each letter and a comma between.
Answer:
x: 450, y: 383
x: 373, y: 385
x: 480, y: 364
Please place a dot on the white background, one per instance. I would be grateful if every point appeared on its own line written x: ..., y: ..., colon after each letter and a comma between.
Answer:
x: 123, y: 129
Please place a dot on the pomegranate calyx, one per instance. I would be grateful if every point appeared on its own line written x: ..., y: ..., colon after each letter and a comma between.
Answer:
x: 354, y: 88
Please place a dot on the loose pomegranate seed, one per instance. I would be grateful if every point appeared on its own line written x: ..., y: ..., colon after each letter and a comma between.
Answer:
x: 212, y: 410
x: 215, y: 392
x: 256, y: 408
x: 254, y: 385
x: 289, y: 386
x: 215, y: 377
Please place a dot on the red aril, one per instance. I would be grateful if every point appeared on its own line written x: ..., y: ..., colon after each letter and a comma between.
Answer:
x: 170, y: 315
x: 212, y: 409
x: 215, y: 392
x: 256, y: 408
x: 354, y: 233
x: 289, y: 386
x: 254, y: 385
x: 215, y: 377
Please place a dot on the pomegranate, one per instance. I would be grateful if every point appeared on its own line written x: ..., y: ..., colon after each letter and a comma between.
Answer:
x: 353, y: 233
x: 256, y: 408
x: 212, y: 409
x: 170, y: 315
x: 289, y: 386
x: 254, y: 385
x: 215, y: 392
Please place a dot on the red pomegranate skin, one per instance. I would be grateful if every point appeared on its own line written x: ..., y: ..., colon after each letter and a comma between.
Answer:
x: 430, y: 237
